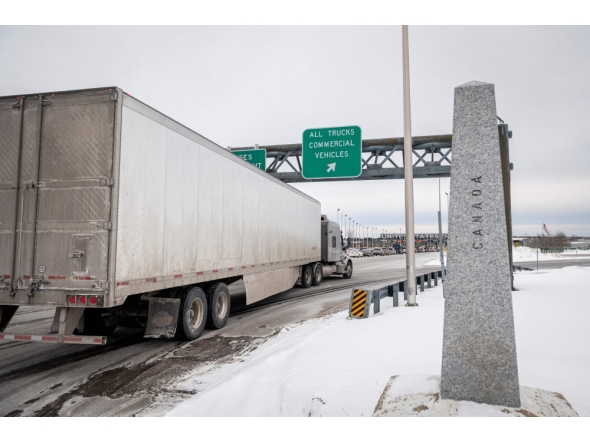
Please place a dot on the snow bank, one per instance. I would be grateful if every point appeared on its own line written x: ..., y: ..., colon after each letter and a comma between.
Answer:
x: 520, y: 254
x: 340, y: 367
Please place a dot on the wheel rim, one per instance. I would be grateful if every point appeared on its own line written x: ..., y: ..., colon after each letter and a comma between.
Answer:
x: 196, y: 313
x: 318, y: 274
x: 348, y: 269
x: 308, y: 276
x: 221, y: 306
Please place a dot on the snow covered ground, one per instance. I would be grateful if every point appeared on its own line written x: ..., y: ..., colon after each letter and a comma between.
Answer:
x: 522, y: 254
x: 340, y: 367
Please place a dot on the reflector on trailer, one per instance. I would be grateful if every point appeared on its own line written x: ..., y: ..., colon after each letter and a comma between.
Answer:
x: 93, y: 300
x: 82, y: 300
x: 62, y: 339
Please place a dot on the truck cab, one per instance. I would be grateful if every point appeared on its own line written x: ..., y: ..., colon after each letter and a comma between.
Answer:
x: 334, y: 260
x: 332, y: 248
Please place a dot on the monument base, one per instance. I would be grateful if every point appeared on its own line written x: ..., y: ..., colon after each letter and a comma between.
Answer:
x: 419, y: 395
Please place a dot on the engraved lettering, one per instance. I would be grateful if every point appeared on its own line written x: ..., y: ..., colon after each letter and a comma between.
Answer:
x: 476, y: 218
x: 478, y: 232
x: 480, y: 245
x: 477, y: 205
x: 476, y: 193
x: 477, y: 179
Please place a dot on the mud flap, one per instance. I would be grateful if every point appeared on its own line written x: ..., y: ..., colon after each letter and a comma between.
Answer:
x: 162, y: 318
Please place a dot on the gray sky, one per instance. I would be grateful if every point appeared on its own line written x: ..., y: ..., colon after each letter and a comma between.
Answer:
x: 244, y: 85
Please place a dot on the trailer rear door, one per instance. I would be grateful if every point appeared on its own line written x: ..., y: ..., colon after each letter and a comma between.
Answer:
x: 55, y: 193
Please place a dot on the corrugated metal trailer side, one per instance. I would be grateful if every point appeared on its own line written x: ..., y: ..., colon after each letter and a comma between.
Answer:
x: 117, y: 199
x: 189, y: 211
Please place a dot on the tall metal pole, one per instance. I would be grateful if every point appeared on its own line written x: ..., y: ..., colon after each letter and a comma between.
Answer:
x: 408, y: 176
x: 504, y: 135
x: 440, y: 239
x: 338, y: 216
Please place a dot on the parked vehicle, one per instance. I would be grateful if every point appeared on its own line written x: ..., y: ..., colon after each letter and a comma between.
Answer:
x: 354, y: 252
x: 377, y: 251
x: 114, y: 210
x: 367, y: 252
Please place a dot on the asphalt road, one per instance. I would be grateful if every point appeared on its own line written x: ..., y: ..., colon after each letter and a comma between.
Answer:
x: 131, y: 375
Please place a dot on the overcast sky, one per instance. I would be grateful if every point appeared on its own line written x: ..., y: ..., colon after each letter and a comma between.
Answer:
x: 239, y: 86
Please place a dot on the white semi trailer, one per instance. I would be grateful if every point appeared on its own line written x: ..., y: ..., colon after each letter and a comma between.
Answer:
x: 110, y: 210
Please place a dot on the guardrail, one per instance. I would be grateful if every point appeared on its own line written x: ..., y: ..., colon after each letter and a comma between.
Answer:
x: 519, y: 268
x: 361, y: 299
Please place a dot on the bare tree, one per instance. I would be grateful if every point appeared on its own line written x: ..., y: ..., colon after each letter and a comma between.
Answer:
x: 558, y: 241
x: 349, y: 236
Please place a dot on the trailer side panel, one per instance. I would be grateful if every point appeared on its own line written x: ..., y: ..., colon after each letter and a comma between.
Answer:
x: 191, y: 212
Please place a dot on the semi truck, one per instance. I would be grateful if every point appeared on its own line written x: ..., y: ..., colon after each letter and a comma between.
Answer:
x: 111, y: 211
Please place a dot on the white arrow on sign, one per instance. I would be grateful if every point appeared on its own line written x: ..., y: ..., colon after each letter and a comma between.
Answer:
x: 331, y: 167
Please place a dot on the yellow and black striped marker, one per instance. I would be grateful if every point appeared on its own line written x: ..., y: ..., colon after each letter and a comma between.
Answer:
x: 359, y: 304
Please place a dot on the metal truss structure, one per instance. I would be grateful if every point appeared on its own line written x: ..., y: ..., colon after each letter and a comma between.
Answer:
x: 382, y: 159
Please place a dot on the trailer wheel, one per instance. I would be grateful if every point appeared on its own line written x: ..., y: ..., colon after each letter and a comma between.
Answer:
x: 192, y: 315
x: 348, y: 273
x: 306, y: 277
x: 219, y: 303
x: 318, y: 275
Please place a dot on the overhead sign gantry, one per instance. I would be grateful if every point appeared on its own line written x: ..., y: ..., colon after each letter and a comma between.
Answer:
x: 380, y: 159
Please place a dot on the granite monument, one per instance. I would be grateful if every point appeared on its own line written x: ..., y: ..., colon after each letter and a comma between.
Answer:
x: 479, y: 349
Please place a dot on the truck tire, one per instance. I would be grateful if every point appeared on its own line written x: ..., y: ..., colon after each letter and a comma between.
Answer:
x: 219, y: 303
x: 306, y: 276
x: 95, y: 324
x: 348, y: 273
x: 318, y: 275
x: 192, y: 316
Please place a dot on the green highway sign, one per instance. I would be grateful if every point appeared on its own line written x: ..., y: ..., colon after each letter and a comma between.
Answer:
x: 255, y: 157
x: 331, y: 152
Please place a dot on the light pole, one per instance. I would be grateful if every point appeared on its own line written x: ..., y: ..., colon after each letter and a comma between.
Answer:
x: 442, y: 259
x: 338, y: 215
x: 408, y: 176
x: 448, y: 211
x: 349, y: 221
